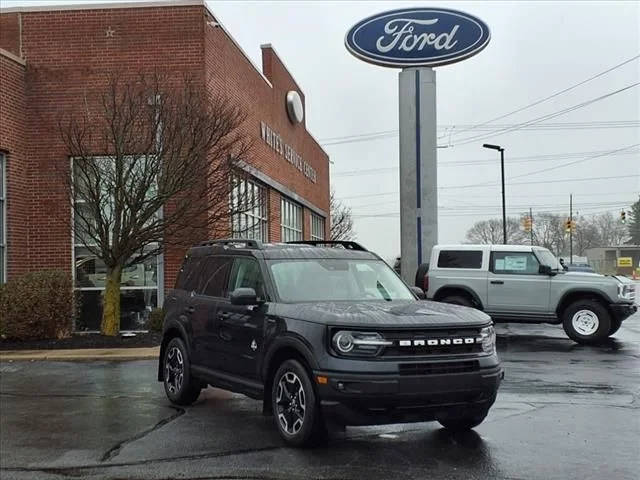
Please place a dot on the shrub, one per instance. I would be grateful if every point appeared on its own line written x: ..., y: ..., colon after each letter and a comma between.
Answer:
x: 156, y: 319
x: 38, y: 305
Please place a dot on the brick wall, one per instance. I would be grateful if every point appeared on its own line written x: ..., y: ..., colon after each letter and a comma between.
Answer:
x: 12, y: 145
x: 69, y: 56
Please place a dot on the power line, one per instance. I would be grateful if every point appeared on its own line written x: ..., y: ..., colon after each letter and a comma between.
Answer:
x: 565, y: 90
x: 364, y: 137
x: 563, y: 180
x: 548, y: 116
x: 508, y: 161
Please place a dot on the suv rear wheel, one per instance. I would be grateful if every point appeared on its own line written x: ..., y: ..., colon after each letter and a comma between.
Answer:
x: 295, y: 406
x: 179, y: 385
x: 586, y: 321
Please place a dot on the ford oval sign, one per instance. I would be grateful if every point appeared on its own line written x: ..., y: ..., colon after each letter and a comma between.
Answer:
x: 417, y: 37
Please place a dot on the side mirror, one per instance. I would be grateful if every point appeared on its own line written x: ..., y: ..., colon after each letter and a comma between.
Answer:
x: 244, y: 296
x: 419, y: 293
x: 545, y: 270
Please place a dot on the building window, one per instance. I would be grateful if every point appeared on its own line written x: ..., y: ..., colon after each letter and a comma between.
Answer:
x: 290, y: 221
x: 139, y: 283
x: 3, y: 220
x: 249, y: 204
x: 317, y: 227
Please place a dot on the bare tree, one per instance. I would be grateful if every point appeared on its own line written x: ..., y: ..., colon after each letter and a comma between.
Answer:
x: 341, y: 220
x: 611, y: 230
x: 154, y: 164
x: 490, y: 231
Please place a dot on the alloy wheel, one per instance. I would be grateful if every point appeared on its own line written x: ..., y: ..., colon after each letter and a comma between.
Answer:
x: 290, y: 403
x: 174, y: 370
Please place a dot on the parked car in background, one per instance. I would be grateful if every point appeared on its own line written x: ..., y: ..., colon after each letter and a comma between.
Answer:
x: 579, y: 267
x: 516, y: 283
x: 323, y: 334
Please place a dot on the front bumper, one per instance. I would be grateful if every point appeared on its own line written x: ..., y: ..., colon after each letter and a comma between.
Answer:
x: 369, y: 399
x: 621, y: 311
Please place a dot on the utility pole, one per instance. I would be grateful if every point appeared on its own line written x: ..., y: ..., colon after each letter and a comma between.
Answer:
x: 531, y: 224
x: 571, y: 229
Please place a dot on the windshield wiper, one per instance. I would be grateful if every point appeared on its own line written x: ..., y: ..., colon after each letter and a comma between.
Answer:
x: 383, y: 291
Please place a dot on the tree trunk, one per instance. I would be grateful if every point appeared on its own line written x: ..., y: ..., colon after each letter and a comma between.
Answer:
x: 111, y: 307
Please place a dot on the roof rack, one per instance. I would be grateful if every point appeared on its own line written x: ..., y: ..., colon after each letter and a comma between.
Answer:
x: 233, y: 242
x: 346, y: 244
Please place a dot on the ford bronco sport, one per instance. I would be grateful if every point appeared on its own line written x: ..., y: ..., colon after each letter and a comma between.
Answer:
x: 518, y: 283
x: 323, y: 332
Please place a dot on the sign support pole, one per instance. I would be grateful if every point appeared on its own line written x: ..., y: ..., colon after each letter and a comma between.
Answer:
x: 418, y: 168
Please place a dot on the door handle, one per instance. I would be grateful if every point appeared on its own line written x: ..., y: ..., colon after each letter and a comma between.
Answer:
x: 224, y: 315
x: 497, y: 282
x: 189, y: 309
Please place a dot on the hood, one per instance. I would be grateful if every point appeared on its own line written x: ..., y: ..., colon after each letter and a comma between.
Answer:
x: 598, y: 276
x: 385, y: 314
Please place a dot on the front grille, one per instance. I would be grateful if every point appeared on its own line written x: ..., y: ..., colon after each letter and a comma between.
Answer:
x: 438, y: 368
x: 398, y: 336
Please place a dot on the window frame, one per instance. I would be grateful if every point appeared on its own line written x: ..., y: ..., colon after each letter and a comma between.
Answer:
x: 512, y: 272
x: 258, y: 215
x: 159, y: 263
x: 290, y: 213
x: 317, y: 222
x: 479, y: 267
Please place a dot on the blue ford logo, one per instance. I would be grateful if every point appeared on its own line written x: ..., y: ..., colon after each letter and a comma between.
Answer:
x: 412, y: 37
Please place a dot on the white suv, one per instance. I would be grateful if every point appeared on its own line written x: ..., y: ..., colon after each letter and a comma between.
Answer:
x: 518, y: 283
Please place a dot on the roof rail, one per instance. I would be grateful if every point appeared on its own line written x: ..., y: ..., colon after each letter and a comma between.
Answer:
x: 346, y: 244
x: 235, y: 242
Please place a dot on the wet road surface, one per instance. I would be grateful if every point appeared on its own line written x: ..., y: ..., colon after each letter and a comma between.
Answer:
x: 564, y: 411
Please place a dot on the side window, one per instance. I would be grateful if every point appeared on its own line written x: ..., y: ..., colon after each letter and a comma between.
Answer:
x: 460, y: 259
x: 246, y: 274
x: 214, y: 276
x: 189, y: 274
x: 514, y: 263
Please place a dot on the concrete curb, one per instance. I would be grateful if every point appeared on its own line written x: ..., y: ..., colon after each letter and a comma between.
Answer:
x: 82, y: 354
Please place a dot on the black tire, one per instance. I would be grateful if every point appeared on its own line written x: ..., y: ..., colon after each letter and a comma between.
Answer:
x: 182, y: 391
x: 422, y: 271
x: 464, y: 423
x: 586, y: 321
x: 615, y: 326
x: 296, y: 410
x: 457, y: 300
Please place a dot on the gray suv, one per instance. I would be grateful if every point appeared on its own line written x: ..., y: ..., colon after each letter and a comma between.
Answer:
x: 517, y: 283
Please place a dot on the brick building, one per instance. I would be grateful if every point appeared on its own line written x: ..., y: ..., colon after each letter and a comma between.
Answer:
x: 49, y: 56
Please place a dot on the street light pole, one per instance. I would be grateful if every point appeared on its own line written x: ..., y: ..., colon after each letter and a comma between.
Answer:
x: 504, y: 208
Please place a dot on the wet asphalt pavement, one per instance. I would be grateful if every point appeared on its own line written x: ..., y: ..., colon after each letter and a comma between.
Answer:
x: 564, y: 411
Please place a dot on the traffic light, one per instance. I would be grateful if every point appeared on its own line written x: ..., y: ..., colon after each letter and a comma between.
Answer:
x: 623, y: 216
x: 527, y: 224
x: 569, y: 225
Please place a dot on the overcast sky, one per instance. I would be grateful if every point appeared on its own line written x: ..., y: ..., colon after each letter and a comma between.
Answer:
x: 536, y: 50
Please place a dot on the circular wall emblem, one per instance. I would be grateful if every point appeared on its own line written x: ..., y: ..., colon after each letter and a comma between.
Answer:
x: 294, y: 107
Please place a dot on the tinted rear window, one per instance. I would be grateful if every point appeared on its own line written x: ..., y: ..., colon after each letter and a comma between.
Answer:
x: 460, y: 259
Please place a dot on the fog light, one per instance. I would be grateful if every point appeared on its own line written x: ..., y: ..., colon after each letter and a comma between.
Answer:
x: 322, y: 380
x: 340, y: 386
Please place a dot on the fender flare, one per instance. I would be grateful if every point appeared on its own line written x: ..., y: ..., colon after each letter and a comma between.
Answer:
x: 289, y: 341
x: 586, y: 292
x: 464, y: 288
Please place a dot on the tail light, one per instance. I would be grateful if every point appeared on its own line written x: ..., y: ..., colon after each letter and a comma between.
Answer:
x: 425, y: 283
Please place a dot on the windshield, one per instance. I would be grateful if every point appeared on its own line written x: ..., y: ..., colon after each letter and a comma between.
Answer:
x: 547, y: 258
x: 326, y: 280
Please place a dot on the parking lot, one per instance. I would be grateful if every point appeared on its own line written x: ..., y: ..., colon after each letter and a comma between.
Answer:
x: 563, y: 411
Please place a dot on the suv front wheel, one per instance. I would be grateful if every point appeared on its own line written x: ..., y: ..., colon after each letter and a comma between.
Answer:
x: 295, y: 406
x: 586, y: 321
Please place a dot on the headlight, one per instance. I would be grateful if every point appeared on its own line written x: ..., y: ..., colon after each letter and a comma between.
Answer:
x: 488, y: 335
x: 625, y: 292
x: 351, y: 343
